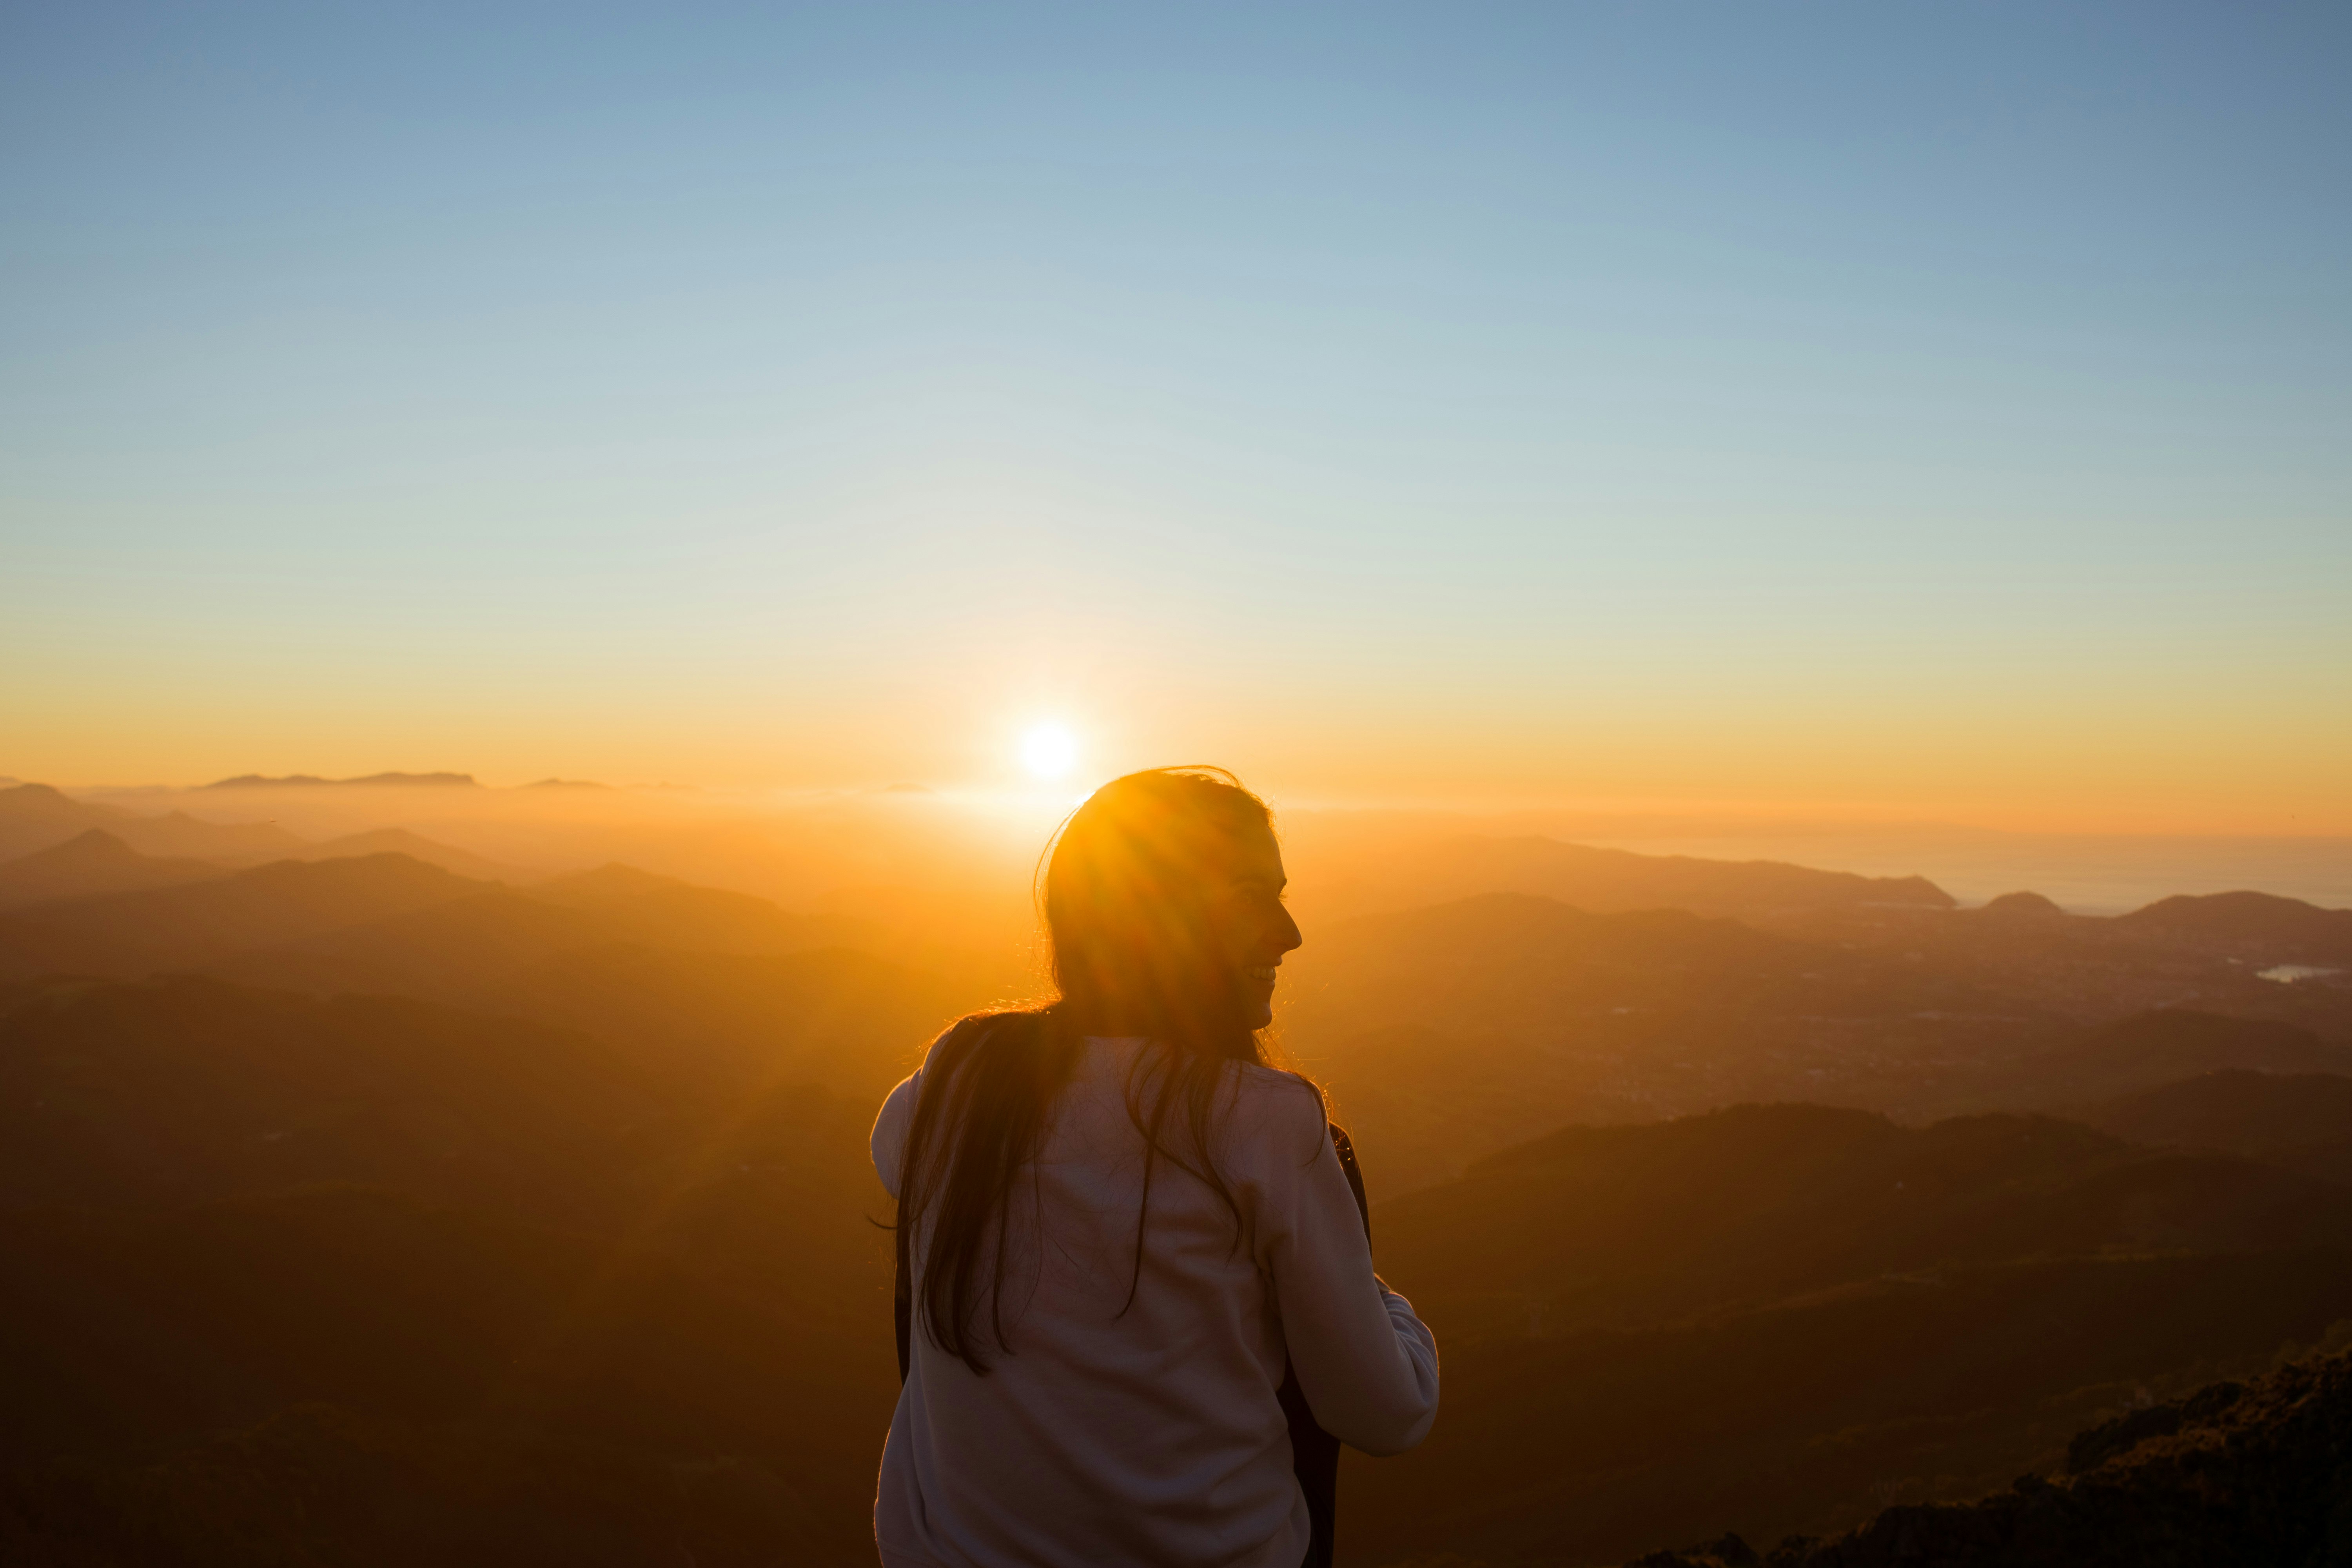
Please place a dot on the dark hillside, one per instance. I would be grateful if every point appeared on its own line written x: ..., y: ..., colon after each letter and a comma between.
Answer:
x: 2157, y: 1048
x: 366, y: 1281
x: 595, y: 1374
x: 1776, y: 1319
x: 637, y: 906
x: 1448, y: 1033
x: 2302, y: 1122
x: 416, y: 847
x: 184, y: 1090
x: 131, y: 934
x: 457, y: 950
x: 1810, y: 1417
x: 93, y: 863
x: 2233, y: 1475
x: 852, y: 1022
x: 2241, y: 954
x: 1621, y: 1226
x: 32, y: 817
x: 2265, y: 924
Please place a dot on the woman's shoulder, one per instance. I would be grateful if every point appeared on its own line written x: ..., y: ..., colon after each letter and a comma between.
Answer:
x: 1274, y: 1106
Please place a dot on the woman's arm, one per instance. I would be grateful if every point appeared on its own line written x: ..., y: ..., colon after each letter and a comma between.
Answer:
x: 1367, y: 1366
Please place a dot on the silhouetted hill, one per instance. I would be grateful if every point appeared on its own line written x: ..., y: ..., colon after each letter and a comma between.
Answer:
x: 368, y: 1281
x: 2279, y: 929
x: 454, y: 950
x: 92, y: 863
x: 35, y: 817
x: 852, y: 1022
x: 474, y: 948
x: 185, y: 1089
x: 416, y: 847
x: 2235, y: 1473
x: 129, y: 934
x: 2302, y: 1122
x: 638, y: 906
x: 728, y: 987
x: 340, y: 1376
x: 2161, y: 1047
x: 843, y: 1018
x: 2020, y: 907
x: 1759, y: 1203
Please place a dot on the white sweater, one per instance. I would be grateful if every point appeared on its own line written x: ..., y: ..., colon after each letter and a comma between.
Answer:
x: 1151, y: 1437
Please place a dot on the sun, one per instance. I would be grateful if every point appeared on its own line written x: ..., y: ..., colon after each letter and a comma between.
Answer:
x: 1048, y: 749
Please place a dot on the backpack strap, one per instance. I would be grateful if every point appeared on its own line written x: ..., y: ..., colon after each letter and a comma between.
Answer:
x: 1314, y: 1453
x: 902, y: 1302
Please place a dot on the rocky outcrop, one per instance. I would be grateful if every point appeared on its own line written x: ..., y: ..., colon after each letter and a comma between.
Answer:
x: 2258, y: 1475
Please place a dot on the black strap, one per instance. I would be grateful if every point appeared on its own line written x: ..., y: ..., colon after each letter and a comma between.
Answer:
x: 902, y: 1303
x: 1314, y: 1453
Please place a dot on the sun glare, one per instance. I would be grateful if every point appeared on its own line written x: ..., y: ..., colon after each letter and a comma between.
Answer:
x: 1048, y: 749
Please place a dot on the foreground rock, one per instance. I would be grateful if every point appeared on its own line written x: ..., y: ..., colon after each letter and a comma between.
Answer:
x: 2234, y: 1473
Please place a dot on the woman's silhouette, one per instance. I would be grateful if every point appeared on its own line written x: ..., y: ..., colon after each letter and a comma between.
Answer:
x: 1121, y: 1233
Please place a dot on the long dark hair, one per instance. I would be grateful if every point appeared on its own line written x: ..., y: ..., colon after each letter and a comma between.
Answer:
x: 1131, y: 954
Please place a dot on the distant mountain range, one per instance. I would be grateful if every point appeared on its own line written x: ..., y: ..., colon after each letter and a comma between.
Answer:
x: 416, y: 847
x: 93, y: 862
x: 35, y: 817
x: 378, y: 1202
x: 373, y: 781
x: 1599, y: 881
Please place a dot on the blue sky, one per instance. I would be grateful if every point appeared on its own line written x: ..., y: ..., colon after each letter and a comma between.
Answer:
x: 1571, y: 400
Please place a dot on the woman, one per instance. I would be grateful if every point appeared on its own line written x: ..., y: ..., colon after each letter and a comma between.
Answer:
x: 1121, y: 1229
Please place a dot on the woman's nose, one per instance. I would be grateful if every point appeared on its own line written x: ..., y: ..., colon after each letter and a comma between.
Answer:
x: 1287, y: 936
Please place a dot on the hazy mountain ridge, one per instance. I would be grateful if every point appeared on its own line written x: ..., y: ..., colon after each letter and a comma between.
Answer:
x: 1448, y: 1032
x: 623, y: 1089
x: 2218, y: 952
x: 92, y: 863
x: 416, y: 847
x: 1602, y: 880
x: 372, y: 781
x: 35, y: 817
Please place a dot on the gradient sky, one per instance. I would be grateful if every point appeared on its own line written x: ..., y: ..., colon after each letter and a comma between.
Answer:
x: 1904, y: 409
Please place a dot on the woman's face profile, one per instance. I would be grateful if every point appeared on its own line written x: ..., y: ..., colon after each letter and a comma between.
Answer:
x: 1251, y: 928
